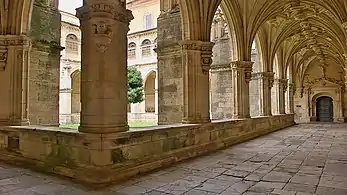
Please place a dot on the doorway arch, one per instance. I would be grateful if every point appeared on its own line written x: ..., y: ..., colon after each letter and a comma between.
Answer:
x: 325, y: 109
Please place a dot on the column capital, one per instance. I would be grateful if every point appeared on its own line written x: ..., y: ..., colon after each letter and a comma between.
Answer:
x: 111, y: 9
x: 246, y: 66
x: 205, y: 49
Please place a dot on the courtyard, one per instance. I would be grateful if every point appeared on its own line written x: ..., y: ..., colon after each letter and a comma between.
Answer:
x: 299, y: 160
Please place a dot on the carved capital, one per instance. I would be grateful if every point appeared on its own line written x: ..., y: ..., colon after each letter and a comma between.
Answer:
x: 3, y: 58
x: 112, y: 9
x: 245, y: 66
x: 205, y: 49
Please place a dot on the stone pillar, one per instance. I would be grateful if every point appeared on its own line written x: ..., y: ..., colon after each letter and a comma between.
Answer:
x: 280, y: 87
x: 14, y: 81
x: 266, y: 81
x: 104, y: 27
x: 290, y: 97
x: 196, y: 60
x: 241, y: 74
x: 170, y: 70
x: 156, y: 95
x: 44, y: 67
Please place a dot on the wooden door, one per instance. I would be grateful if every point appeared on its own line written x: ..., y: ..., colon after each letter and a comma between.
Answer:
x: 324, y: 109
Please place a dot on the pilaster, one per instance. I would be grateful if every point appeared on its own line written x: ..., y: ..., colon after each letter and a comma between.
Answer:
x: 14, y: 65
x: 280, y: 88
x: 104, y: 26
x: 266, y: 83
x: 241, y: 74
x: 196, y: 60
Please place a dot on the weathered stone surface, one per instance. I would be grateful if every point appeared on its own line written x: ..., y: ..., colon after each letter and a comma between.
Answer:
x: 44, y: 69
x: 203, y: 175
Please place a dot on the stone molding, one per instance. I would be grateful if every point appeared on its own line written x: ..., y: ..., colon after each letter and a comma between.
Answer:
x: 220, y: 67
x: 265, y: 76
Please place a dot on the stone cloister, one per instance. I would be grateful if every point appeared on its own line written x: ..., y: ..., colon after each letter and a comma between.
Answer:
x: 301, y: 75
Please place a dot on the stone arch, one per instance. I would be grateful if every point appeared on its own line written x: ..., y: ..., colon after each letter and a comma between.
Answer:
x: 75, y: 94
x: 149, y: 89
x: 16, y: 19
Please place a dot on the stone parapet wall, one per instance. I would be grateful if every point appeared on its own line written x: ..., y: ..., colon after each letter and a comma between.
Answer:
x: 104, y: 158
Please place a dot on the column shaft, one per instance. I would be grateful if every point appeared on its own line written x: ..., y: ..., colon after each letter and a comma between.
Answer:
x: 280, y: 87
x: 14, y: 64
x: 290, y: 94
x: 266, y: 84
x: 104, y: 66
x: 196, y: 60
x: 241, y: 74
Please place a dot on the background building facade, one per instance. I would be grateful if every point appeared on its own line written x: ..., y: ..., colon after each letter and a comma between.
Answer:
x: 141, y: 43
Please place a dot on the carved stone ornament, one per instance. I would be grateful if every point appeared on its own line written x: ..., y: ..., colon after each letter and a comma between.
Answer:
x: 102, y: 32
x: 205, y: 49
x: 245, y: 66
x: 3, y: 59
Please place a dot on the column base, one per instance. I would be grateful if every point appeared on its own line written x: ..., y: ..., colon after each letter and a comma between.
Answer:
x: 99, y: 129
x: 196, y: 121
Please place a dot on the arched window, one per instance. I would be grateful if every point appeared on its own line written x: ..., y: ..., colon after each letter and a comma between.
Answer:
x: 71, y: 43
x: 132, y: 50
x: 146, y: 48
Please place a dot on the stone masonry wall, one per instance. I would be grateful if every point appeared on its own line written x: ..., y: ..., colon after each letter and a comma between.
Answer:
x: 221, y: 80
x: 103, y: 158
x: 44, y: 65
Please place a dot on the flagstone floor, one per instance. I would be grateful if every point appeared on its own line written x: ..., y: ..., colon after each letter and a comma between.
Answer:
x: 304, y: 159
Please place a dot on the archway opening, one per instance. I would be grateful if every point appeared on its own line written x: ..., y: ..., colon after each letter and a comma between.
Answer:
x: 75, y: 96
x: 150, y: 92
x: 324, y: 109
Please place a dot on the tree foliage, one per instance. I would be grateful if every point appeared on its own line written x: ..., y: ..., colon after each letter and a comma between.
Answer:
x: 135, y: 86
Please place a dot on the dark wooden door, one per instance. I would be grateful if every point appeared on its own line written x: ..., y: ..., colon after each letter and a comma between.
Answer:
x: 324, y: 109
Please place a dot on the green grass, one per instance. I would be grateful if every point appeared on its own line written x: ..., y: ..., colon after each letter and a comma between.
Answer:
x: 131, y: 125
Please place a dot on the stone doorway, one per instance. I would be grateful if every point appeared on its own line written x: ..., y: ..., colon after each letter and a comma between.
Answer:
x: 324, y: 109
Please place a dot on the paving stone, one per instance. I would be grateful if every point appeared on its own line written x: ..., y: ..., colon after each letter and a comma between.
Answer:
x: 266, y: 187
x: 305, y: 179
x: 330, y: 191
x: 300, y: 188
x: 283, y: 192
x: 275, y: 176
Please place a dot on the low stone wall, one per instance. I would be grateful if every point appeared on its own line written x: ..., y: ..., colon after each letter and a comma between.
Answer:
x: 104, y: 158
x: 143, y: 117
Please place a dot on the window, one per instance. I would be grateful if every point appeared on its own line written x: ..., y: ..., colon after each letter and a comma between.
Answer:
x: 148, y: 21
x: 132, y: 50
x: 146, y: 48
x: 71, y: 43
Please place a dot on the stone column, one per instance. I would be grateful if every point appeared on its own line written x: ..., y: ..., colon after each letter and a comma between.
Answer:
x: 170, y: 70
x: 280, y: 87
x: 196, y: 60
x: 104, y: 26
x: 14, y: 81
x: 266, y: 84
x: 290, y: 97
x: 241, y: 74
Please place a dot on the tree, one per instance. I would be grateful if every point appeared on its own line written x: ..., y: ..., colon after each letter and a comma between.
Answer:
x: 135, y: 86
